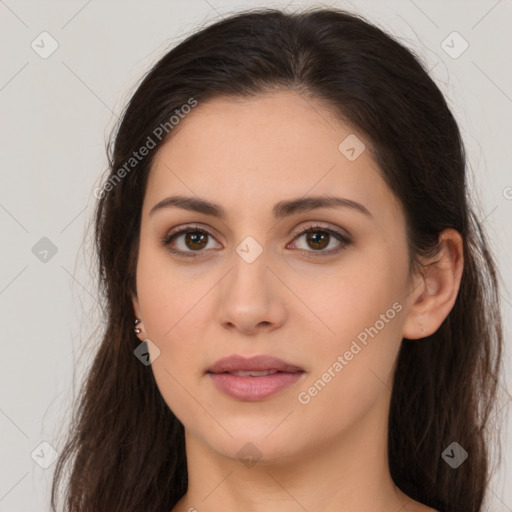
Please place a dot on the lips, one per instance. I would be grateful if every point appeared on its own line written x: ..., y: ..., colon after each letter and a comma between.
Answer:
x: 255, y: 378
x: 236, y: 363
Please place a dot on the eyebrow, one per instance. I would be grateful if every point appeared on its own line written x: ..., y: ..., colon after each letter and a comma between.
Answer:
x: 280, y: 210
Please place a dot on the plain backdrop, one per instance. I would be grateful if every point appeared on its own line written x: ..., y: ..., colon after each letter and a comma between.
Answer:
x: 56, y: 112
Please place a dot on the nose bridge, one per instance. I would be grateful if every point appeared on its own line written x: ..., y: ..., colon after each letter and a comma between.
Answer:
x: 253, y: 259
x: 250, y: 262
x: 249, y: 296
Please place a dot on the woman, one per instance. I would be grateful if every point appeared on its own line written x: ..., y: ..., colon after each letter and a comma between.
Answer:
x: 302, y: 310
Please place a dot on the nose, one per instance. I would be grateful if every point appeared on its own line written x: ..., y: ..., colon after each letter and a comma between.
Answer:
x: 251, y: 297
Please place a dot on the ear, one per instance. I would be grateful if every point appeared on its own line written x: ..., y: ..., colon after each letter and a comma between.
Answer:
x: 436, y: 289
x: 140, y: 325
x: 136, y: 307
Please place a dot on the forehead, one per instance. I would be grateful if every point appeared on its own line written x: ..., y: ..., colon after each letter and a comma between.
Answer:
x: 250, y: 152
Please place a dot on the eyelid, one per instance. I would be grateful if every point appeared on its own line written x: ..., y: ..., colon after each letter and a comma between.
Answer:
x: 319, y: 225
x: 187, y: 227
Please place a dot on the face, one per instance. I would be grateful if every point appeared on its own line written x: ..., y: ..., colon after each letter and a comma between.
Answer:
x: 331, y: 301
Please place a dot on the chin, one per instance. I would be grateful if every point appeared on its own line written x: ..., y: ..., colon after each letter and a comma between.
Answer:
x: 253, y: 445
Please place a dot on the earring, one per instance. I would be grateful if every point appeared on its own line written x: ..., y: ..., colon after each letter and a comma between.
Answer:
x: 137, y: 330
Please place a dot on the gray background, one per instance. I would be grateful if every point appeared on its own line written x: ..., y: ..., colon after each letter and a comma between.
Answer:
x: 56, y: 113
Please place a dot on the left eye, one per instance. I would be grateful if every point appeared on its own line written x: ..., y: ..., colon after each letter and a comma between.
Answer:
x: 319, y: 237
x: 196, y: 239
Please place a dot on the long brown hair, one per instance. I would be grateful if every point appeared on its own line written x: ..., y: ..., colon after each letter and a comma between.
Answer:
x: 126, y: 448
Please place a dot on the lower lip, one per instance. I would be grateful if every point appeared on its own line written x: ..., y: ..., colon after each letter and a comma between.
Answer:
x: 252, y: 389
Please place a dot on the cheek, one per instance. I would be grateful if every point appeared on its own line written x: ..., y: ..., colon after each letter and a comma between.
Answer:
x: 354, y: 295
x: 168, y: 295
x: 364, y: 311
x: 172, y: 302
x: 353, y: 371
x: 169, y: 315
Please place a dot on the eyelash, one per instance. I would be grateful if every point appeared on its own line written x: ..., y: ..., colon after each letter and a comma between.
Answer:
x: 345, y: 241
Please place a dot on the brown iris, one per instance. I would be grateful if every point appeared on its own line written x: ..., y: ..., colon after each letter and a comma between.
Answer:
x: 196, y: 237
x: 317, y: 241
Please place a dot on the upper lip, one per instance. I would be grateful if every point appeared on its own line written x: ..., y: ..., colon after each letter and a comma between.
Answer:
x: 257, y: 363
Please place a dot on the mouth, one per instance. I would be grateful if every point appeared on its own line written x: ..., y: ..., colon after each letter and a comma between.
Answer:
x: 253, y: 379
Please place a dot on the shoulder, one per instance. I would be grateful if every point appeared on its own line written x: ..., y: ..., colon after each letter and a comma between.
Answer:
x: 421, y: 508
x: 416, y: 506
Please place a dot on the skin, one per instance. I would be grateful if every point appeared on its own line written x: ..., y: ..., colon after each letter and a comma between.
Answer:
x: 331, y: 453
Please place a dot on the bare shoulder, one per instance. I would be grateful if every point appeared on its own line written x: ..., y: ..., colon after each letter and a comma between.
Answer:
x: 411, y: 505
x: 416, y: 506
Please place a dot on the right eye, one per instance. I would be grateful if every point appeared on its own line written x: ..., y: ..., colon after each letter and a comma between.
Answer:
x: 195, y: 241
